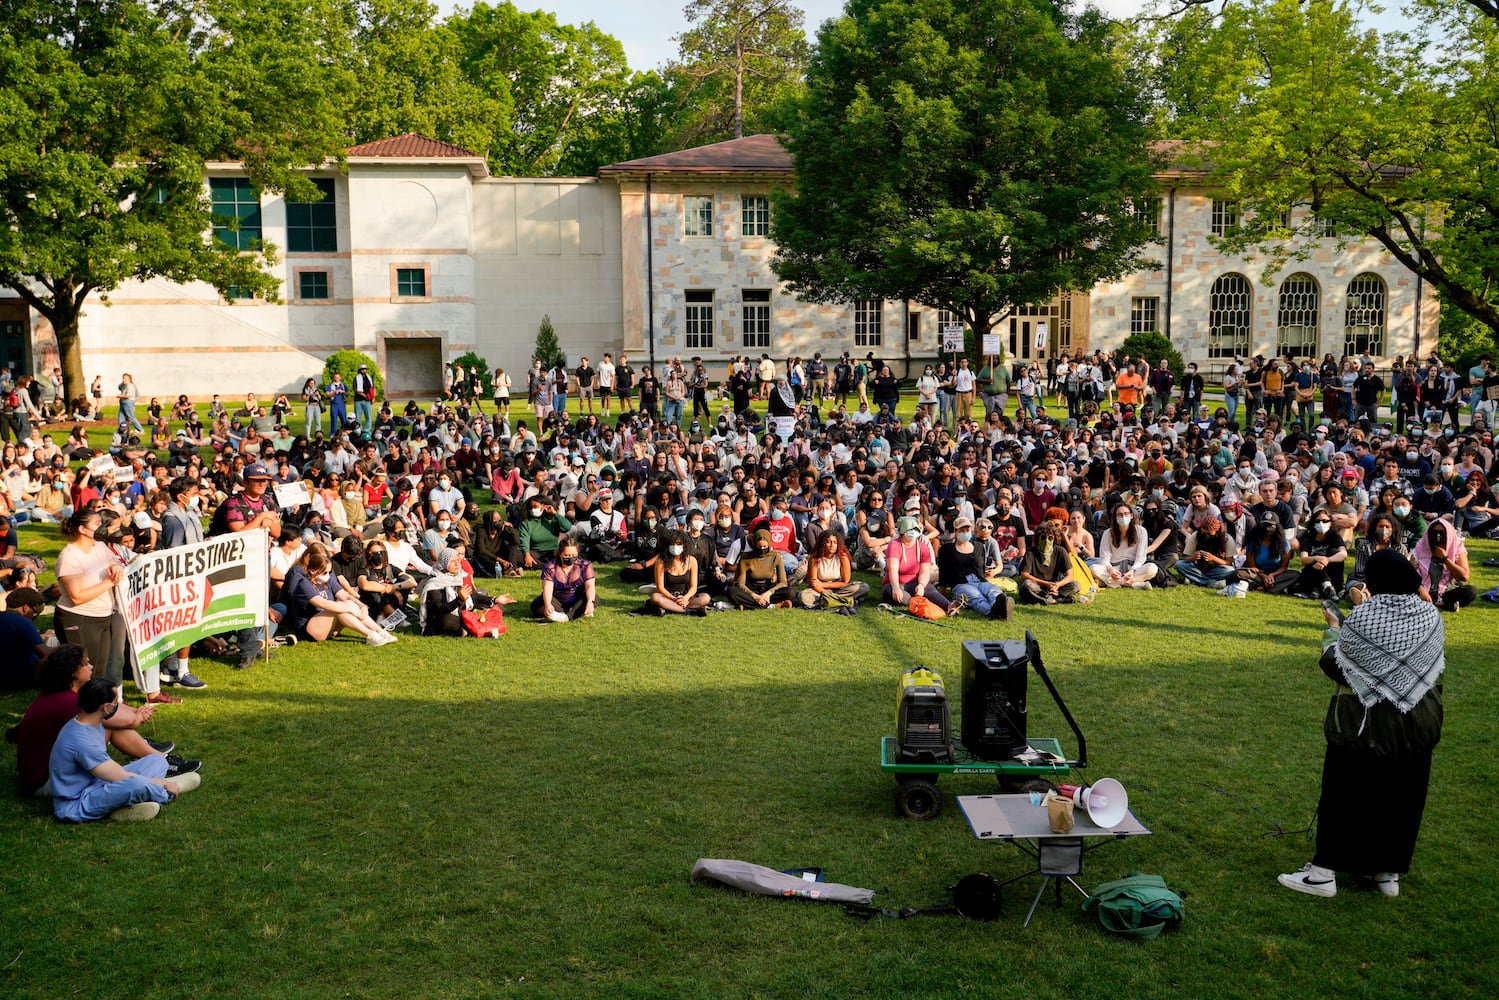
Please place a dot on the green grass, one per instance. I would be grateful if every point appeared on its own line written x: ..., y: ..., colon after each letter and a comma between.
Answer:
x: 461, y: 818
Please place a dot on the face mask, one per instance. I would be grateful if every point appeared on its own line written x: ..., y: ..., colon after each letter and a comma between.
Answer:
x: 444, y: 483
x: 1124, y: 520
x: 1205, y: 460
x: 1382, y: 532
x: 964, y: 536
x: 444, y: 525
x: 1245, y: 472
x: 1432, y: 491
x: 1322, y: 527
x: 651, y: 522
x: 377, y: 559
x: 912, y: 535
x: 1402, y: 510
x: 1158, y: 494
x: 764, y: 550
x: 193, y: 503
x: 1411, y: 456
x: 569, y: 560
x: 695, y: 525
x: 1446, y: 470
x: 777, y: 514
x: 1039, y: 486
x: 535, y: 511
x: 725, y: 522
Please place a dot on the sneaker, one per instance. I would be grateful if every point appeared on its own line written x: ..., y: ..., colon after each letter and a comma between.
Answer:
x: 181, y: 765
x: 722, y: 606
x: 698, y: 612
x: 1328, y: 593
x: 284, y: 640
x: 188, y: 680
x: 1312, y: 880
x: 1221, y: 585
x: 557, y: 616
x: 161, y: 746
x: 137, y: 813
x: 162, y: 698
x: 957, y: 606
x: 1388, y: 883
x: 379, y: 639
x: 245, y: 664
x: 187, y: 782
x: 390, y: 635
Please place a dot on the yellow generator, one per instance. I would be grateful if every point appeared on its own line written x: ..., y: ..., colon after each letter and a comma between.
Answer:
x: 923, y: 724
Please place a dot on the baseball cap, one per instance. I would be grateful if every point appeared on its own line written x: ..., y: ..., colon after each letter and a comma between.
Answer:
x: 606, y: 494
x: 257, y: 471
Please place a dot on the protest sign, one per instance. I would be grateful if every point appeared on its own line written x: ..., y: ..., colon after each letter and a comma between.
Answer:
x: 952, y: 338
x: 175, y: 597
x: 290, y: 495
x: 993, y: 344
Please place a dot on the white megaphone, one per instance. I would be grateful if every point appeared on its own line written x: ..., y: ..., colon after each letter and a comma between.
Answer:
x: 1105, y: 801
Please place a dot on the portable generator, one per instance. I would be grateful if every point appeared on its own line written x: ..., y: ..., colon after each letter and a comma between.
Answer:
x: 923, y: 724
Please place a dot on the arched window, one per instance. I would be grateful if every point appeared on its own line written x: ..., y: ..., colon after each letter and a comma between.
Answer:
x: 1230, y: 307
x: 1297, y: 320
x: 1363, y: 316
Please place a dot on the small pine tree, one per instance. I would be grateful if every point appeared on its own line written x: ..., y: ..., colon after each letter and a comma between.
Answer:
x: 1153, y: 346
x: 548, y: 351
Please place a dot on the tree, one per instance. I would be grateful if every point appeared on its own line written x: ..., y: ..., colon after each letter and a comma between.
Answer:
x: 740, y: 59
x: 970, y: 157
x: 556, y: 80
x: 548, y: 352
x: 1392, y: 137
x: 111, y: 109
x: 1153, y: 346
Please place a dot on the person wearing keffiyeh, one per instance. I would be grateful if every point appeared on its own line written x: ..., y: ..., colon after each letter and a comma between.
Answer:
x: 1442, y: 560
x: 1381, y: 727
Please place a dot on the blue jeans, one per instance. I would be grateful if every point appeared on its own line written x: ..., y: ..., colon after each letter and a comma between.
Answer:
x: 103, y: 797
x: 249, y: 639
x: 338, y: 415
x: 1231, y: 404
x: 312, y: 420
x: 1028, y: 404
x: 981, y: 594
x: 671, y: 412
x: 364, y: 412
x: 1203, y: 577
x: 127, y: 414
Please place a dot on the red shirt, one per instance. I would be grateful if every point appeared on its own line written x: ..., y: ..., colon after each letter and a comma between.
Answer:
x: 782, y: 532
x: 43, y: 720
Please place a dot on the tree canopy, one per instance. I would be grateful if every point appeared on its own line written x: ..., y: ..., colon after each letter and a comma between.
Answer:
x: 112, y: 107
x: 970, y: 157
x: 1388, y: 136
x: 739, y: 61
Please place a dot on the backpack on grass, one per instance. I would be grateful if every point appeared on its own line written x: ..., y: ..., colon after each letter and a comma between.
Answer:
x: 1137, y: 906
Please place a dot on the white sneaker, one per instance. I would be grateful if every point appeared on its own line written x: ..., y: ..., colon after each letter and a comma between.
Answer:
x: 557, y: 616
x: 1388, y: 883
x: 390, y: 635
x: 1312, y: 880
x: 378, y: 639
x: 187, y: 782
x: 1241, y: 589
x: 137, y: 813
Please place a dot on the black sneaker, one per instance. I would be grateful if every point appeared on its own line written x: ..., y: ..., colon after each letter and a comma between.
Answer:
x: 289, y: 639
x: 161, y: 746
x: 181, y: 765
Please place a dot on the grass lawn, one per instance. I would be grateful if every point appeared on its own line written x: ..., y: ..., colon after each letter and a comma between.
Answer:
x: 465, y: 818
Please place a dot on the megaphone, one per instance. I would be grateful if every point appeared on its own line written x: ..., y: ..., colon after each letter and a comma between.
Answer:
x: 1105, y: 801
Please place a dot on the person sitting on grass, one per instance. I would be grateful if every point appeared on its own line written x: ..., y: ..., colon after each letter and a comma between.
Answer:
x: 760, y: 580
x: 1045, y: 575
x: 380, y: 587
x: 446, y: 595
x: 1323, y: 556
x: 1122, y: 554
x: 911, y: 566
x: 1442, y: 561
x: 1208, y: 559
x: 678, y: 587
x: 830, y: 574
x: 59, y: 677
x: 1267, y: 557
x: 87, y: 784
x: 567, y: 586
x: 317, y: 608
x: 21, y: 645
x: 540, y: 530
x: 961, y: 569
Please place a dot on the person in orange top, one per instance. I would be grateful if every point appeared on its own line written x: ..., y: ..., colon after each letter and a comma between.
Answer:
x: 1129, y: 383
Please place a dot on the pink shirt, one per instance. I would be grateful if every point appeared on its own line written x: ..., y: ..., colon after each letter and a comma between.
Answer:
x: 903, y: 560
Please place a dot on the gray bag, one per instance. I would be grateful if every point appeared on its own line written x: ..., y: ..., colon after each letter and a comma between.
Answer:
x: 763, y: 881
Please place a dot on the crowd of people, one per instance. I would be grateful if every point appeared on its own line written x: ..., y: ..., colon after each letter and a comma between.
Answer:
x: 780, y: 487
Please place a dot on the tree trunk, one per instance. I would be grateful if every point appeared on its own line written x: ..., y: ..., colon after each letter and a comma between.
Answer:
x: 739, y: 83
x: 70, y: 355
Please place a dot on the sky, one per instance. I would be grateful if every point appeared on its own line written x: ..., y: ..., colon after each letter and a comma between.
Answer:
x: 646, y: 27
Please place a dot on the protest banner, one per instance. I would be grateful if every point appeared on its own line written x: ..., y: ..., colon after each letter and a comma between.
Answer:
x: 952, y: 338
x: 292, y: 495
x: 175, y: 597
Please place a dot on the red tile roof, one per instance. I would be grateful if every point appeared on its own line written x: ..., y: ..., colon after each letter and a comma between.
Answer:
x: 412, y: 146
x: 754, y: 154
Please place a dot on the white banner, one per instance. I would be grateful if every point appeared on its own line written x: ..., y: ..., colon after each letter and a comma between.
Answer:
x: 952, y: 339
x: 175, y: 597
x: 993, y: 344
x: 292, y: 495
x: 1040, y: 336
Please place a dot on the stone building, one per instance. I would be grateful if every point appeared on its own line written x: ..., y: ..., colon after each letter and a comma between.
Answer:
x: 416, y: 255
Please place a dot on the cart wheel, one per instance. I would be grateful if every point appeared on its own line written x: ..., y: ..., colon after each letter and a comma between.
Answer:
x: 918, y: 799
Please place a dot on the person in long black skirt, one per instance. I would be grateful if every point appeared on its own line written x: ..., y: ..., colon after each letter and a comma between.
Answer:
x: 1381, y: 727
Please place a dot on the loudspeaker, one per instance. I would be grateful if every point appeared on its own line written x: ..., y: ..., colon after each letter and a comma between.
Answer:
x: 1105, y: 801
x: 994, y: 681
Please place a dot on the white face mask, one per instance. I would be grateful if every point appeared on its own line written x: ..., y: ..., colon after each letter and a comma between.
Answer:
x: 1322, y: 527
x: 1124, y: 520
x: 444, y: 525
x: 725, y: 522
x: 675, y: 550
x: 912, y: 535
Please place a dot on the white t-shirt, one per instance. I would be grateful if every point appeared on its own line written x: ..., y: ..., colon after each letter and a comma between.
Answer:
x: 90, y: 568
x: 963, y: 380
x: 606, y: 375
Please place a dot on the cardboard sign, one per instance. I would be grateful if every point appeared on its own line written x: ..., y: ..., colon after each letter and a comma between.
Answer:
x: 993, y: 343
x: 292, y: 495
x: 952, y: 339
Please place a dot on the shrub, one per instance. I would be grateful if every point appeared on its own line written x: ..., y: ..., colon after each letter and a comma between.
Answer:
x: 1153, y: 347
x: 347, y: 363
x: 548, y: 352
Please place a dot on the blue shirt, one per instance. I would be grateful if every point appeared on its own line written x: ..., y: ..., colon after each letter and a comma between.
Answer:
x: 18, y: 641
x: 78, y: 750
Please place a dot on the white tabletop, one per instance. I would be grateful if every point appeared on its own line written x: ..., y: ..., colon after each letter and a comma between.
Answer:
x: 1012, y: 817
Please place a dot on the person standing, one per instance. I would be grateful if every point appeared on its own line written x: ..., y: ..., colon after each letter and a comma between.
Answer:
x: 1368, y: 390
x: 312, y: 408
x: 1192, y: 389
x: 1161, y: 383
x: 364, y: 400
x: 86, y: 613
x: 676, y: 393
x: 337, y: 394
x: 1381, y: 727
x: 624, y: 383
x: 181, y: 524
x: 606, y: 382
x: 963, y: 385
x: 128, y: 394
x: 698, y: 381
x: 559, y: 390
x: 586, y: 374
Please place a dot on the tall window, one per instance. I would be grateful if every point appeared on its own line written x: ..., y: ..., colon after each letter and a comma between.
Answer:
x: 754, y: 215
x: 1325, y: 227
x: 1148, y: 211
x: 1297, y: 321
x: 411, y: 282
x: 697, y: 214
x: 1144, y: 314
x: 699, y: 319
x: 755, y: 318
x: 869, y: 322
x: 236, y: 212
x: 1225, y: 216
x: 1364, y: 315
x: 312, y: 226
x: 1230, y: 310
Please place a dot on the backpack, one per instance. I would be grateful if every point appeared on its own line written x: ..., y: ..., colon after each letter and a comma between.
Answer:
x: 1137, y: 906
x: 218, y: 524
x: 923, y: 608
x: 486, y: 624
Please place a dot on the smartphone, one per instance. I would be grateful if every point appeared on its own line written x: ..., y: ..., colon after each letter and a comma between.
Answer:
x: 1332, y: 606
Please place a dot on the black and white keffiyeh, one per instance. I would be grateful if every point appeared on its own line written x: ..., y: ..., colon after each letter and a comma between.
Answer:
x: 1391, y: 649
